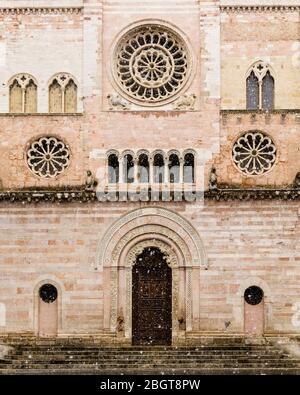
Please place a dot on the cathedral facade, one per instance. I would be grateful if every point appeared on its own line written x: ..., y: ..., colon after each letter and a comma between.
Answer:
x: 149, y: 166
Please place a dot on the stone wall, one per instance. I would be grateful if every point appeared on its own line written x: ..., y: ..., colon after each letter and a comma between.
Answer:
x: 246, y: 243
x: 268, y: 35
x: 251, y: 243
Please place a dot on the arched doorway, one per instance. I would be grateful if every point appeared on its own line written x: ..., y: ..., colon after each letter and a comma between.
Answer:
x: 254, y: 319
x: 151, y: 299
x: 48, y: 311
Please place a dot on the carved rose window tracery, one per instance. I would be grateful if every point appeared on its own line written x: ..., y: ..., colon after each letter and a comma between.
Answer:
x: 48, y: 157
x: 254, y: 153
x: 152, y: 64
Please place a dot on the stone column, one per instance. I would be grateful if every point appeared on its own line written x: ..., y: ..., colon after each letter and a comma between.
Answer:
x: 181, y: 167
x: 121, y: 169
x: 189, y: 297
x: 23, y: 99
x: 113, y: 298
x: 151, y: 170
x: 166, y: 170
x: 260, y: 94
x: 136, y: 170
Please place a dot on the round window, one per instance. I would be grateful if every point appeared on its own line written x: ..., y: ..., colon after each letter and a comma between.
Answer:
x: 151, y: 64
x: 48, y: 157
x: 254, y: 153
x: 48, y: 293
x: 253, y: 295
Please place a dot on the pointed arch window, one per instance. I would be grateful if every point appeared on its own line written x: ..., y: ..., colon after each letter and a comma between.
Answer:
x: 268, y: 92
x: 62, y: 94
x: 260, y: 86
x: 23, y: 94
x: 252, y: 92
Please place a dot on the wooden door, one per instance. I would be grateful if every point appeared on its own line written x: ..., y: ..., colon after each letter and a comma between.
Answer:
x: 152, y: 299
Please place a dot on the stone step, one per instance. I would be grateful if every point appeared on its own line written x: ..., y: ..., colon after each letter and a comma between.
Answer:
x: 142, y: 363
x: 127, y: 355
x: 74, y: 358
x: 103, y: 355
x: 145, y: 358
x: 130, y: 371
x: 165, y: 367
x: 108, y: 351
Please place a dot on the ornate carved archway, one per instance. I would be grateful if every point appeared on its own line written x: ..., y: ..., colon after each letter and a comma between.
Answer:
x: 150, y: 216
x: 125, y: 240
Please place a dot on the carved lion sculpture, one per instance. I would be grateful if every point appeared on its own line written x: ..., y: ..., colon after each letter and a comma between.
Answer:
x: 117, y: 103
x: 186, y: 102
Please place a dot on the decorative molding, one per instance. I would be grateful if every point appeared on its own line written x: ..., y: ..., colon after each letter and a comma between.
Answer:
x: 153, y: 216
x: 171, y: 258
x: 189, y: 299
x: 259, y: 8
x: 40, y: 10
x: 83, y: 196
x: 227, y: 194
x: 260, y: 116
x: 271, y: 112
x: 150, y: 230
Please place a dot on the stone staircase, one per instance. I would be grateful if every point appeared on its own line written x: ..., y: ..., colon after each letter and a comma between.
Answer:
x: 79, y: 357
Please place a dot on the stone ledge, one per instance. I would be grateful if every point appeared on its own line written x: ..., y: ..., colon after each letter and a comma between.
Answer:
x: 85, y: 196
x: 39, y: 114
x: 253, y: 194
x: 261, y: 112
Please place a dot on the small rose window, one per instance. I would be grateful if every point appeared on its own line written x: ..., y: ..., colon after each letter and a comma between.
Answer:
x: 254, y: 153
x: 48, y: 157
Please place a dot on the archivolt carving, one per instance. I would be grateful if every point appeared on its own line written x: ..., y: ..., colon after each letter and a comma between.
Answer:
x: 139, y: 248
x: 110, y: 238
x: 150, y: 230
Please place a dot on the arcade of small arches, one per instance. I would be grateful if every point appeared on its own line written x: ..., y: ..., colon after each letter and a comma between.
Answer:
x: 155, y: 167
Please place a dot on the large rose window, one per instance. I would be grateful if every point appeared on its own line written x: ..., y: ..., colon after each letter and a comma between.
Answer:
x: 152, y: 64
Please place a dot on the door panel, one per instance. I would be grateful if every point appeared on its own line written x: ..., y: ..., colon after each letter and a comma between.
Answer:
x: 152, y: 299
x: 47, y: 319
x: 254, y: 319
